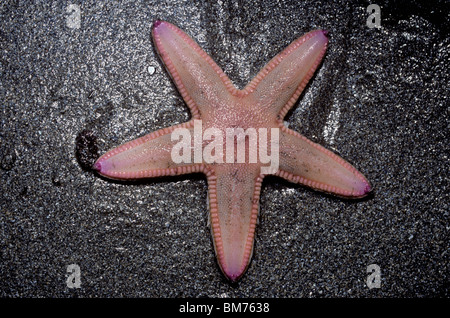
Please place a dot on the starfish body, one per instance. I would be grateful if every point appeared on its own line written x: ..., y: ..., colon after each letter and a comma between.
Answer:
x: 215, y: 103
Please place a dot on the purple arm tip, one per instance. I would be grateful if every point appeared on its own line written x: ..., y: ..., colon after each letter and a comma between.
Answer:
x: 97, y: 166
x: 156, y: 23
x: 368, y: 189
x: 325, y: 32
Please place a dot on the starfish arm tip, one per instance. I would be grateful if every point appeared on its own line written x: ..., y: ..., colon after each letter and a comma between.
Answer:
x: 325, y: 32
x: 233, y: 276
x: 368, y: 189
x: 156, y: 23
x: 97, y: 166
x: 363, y: 190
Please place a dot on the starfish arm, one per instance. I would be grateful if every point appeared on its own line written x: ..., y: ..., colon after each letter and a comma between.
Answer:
x: 279, y: 84
x: 145, y: 157
x: 303, y: 161
x: 234, y: 203
x: 200, y: 81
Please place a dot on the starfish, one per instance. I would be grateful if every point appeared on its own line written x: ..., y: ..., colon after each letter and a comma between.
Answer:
x: 216, y: 105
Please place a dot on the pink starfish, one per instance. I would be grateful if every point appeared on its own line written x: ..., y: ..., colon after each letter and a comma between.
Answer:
x: 234, y: 187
